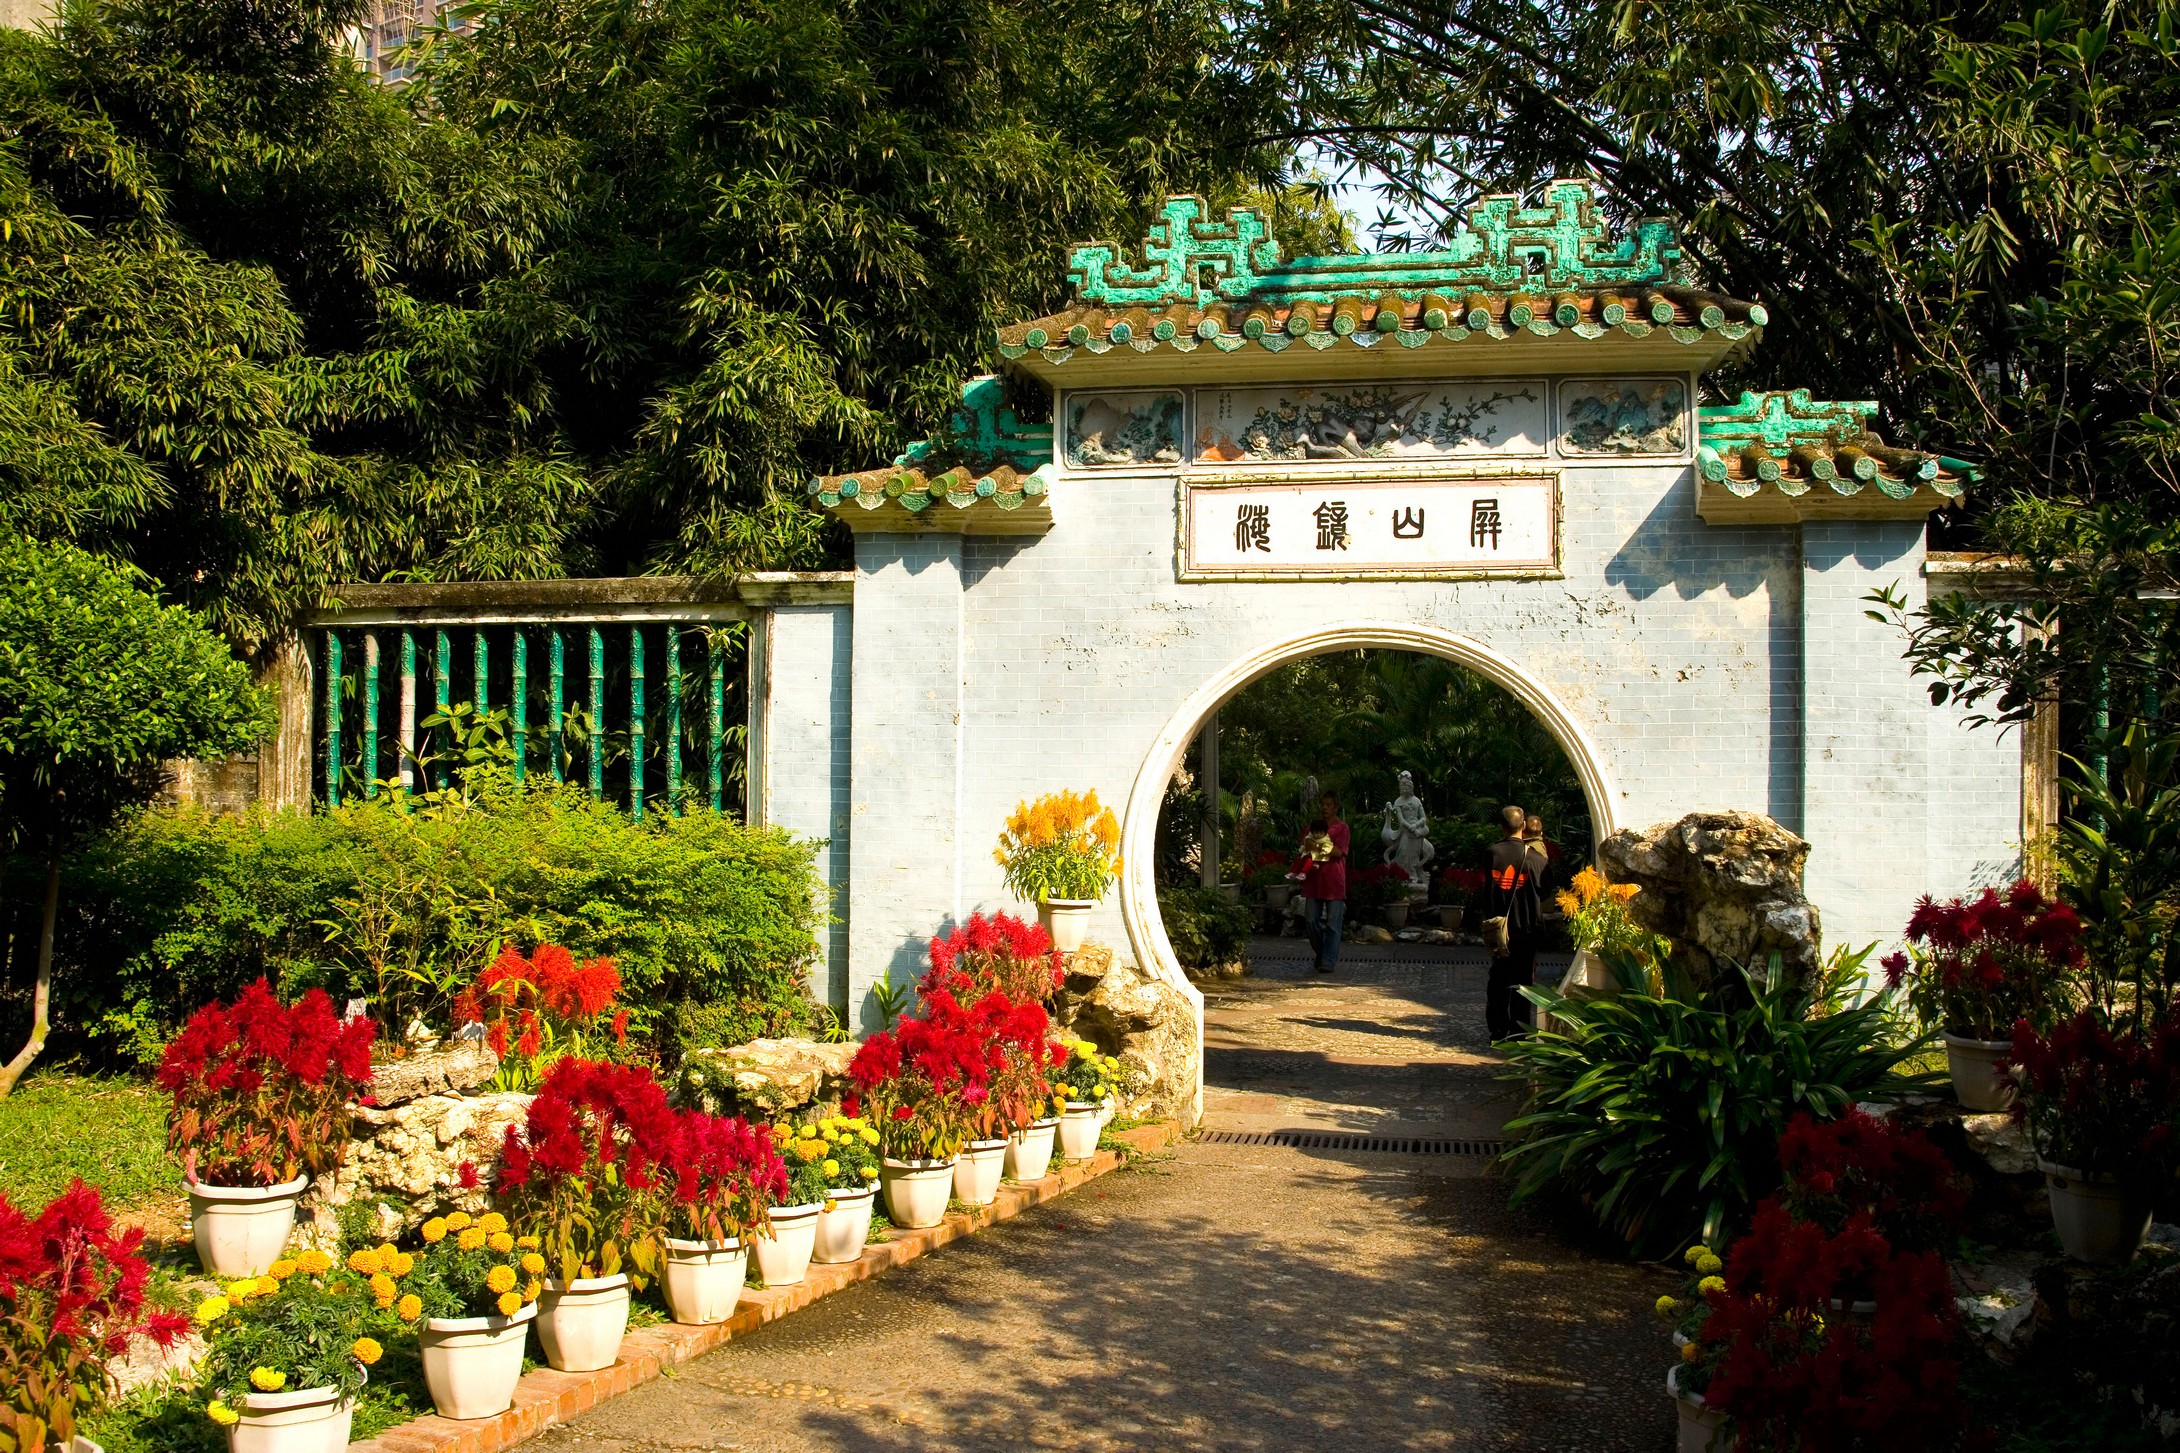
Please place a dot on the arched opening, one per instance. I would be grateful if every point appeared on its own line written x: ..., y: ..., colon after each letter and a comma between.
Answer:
x: 1139, y: 882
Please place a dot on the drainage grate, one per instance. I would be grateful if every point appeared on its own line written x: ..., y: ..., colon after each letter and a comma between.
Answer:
x: 1342, y: 1140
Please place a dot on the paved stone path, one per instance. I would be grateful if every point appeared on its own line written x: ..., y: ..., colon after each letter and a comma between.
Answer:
x: 1229, y: 1296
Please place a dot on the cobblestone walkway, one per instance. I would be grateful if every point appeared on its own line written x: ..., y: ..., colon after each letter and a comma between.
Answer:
x: 1229, y: 1296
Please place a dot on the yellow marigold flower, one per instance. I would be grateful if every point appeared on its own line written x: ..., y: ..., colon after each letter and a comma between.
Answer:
x: 222, y: 1414
x: 435, y: 1230
x: 264, y: 1379
x: 1695, y: 1253
x: 831, y: 1167
x: 403, y: 1263
x: 1667, y: 1306
x: 781, y: 1134
x: 470, y: 1240
x: 364, y: 1262
x: 1709, y: 1266
x: 1691, y: 1351
x: 314, y: 1262
x: 501, y: 1242
x: 509, y: 1304
x: 531, y: 1288
x: 1711, y: 1284
x: 830, y: 1136
x: 492, y: 1222
x: 267, y: 1285
x: 456, y: 1220
x: 533, y: 1264
x: 242, y: 1291
x: 809, y: 1150
x: 210, y: 1310
x: 367, y: 1351
x: 870, y: 1137
x: 281, y: 1270
x: 500, y: 1278
x: 410, y: 1307
x: 870, y: 1172
x: 528, y: 1243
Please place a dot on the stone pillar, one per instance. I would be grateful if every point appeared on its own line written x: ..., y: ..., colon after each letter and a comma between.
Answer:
x: 905, y: 868
x: 1866, y: 732
x: 801, y: 657
x: 283, y: 763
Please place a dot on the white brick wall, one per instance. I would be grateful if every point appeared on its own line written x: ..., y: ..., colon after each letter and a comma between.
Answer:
x: 1712, y: 668
x: 808, y: 666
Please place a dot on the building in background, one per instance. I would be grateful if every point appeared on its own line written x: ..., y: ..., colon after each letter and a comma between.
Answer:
x: 380, y: 43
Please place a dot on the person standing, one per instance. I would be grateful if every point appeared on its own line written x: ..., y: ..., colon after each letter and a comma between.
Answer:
x: 1324, y: 881
x: 1516, y: 864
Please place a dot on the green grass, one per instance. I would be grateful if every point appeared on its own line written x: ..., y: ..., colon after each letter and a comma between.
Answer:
x: 110, y: 1131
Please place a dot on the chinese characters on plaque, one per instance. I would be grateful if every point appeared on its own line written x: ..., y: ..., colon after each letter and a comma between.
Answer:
x: 1364, y: 527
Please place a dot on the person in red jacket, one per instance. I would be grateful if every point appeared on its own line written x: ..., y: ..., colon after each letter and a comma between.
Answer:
x: 1324, y: 881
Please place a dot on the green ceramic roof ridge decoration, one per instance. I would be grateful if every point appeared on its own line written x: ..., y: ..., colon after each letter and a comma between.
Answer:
x: 1787, y: 443
x: 983, y: 429
x: 1561, y: 245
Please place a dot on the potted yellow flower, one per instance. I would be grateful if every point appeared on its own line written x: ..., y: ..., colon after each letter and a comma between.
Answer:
x: 1061, y: 852
x: 475, y: 1293
x: 1598, y: 923
x: 1084, y: 1089
x: 851, y: 1164
x: 287, y: 1352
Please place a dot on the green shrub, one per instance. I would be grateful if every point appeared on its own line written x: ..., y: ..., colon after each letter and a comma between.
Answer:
x: 403, y: 906
x: 1663, y: 1116
x: 1204, y: 929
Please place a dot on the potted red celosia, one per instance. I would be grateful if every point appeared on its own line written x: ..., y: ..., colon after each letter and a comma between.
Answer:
x: 1979, y: 966
x: 260, y: 1104
x: 723, y: 1176
x: 1005, y: 956
x: 542, y: 1008
x: 922, y: 1082
x: 71, y: 1297
x: 2101, y: 1104
x: 584, y: 1172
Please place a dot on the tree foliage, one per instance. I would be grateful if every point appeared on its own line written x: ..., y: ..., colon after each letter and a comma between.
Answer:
x: 1967, y: 212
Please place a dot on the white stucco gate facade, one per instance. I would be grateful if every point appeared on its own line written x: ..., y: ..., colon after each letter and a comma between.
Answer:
x: 1495, y: 454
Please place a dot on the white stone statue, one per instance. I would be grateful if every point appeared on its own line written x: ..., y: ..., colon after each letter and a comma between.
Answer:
x: 1406, y: 834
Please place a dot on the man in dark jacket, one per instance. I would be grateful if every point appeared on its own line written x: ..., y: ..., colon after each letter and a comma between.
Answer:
x: 1516, y: 865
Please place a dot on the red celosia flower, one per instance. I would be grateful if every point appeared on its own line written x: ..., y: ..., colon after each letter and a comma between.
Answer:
x: 1982, y: 962
x: 524, y: 1002
x: 1002, y: 953
x: 2100, y: 1097
x: 261, y: 1089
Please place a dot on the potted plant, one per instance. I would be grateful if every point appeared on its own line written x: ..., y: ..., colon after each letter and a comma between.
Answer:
x: 920, y: 1081
x: 1083, y: 1086
x: 851, y: 1163
x: 1061, y: 852
x: 583, y: 1171
x: 542, y: 1008
x: 473, y: 1292
x: 1000, y: 954
x: 287, y: 1352
x: 1457, y: 889
x: 71, y: 1296
x: 1702, y: 1428
x: 260, y: 1096
x: 1016, y: 1095
x: 1269, y: 877
x: 790, y: 1236
x: 726, y: 1175
x: 2101, y: 1104
x: 1978, y: 967
x: 1603, y: 932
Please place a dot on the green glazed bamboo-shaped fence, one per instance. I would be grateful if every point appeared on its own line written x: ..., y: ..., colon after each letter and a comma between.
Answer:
x: 642, y: 714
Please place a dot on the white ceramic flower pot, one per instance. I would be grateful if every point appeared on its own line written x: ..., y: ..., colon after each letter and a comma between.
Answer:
x: 977, y: 1171
x: 1079, y: 1129
x: 81, y: 1444
x: 843, y: 1231
x: 916, y: 1190
x: 1029, y: 1152
x: 1450, y: 918
x: 1703, y: 1429
x: 1396, y: 915
x: 580, y: 1323
x: 471, y: 1364
x: 1067, y: 920
x: 1276, y: 896
x: 1974, y: 1064
x: 783, y: 1258
x: 241, y: 1230
x: 307, y: 1420
x: 2099, y: 1220
x: 703, y: 1280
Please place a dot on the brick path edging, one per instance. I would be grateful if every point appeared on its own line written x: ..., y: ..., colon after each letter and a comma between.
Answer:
x: 546, y: 1398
